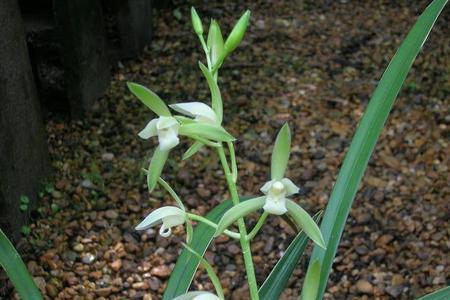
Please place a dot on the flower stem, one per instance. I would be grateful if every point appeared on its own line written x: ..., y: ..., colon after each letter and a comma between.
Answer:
x: 229, y: 233
x: 245, y: 244
x: 169, y: 189
x: 258, y: 226
x: 234, y: 171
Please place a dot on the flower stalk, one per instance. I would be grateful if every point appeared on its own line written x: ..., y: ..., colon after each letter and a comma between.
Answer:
x: 245, y: 244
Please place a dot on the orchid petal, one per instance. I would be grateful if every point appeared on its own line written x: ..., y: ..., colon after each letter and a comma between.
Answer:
x: 167, y: 128
x: 169, y: 215
x: 199, y: 110
x: 280, y: 153
x: 149, y: 98
x: 275, y: 205
x: 156, y: 166
x: 305, y: 222
x: 197, y: 296
x: 290, y: 187
x: 149, y: 130
x: 266, y: 187
x: 238, y: 211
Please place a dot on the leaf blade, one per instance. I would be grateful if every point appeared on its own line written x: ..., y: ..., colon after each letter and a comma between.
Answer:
x: 441, y: 294
x: 186, y: 265
x: 365, y: 138
x: 311, y: 283
x: 277, y: 280
x: 16, y: 270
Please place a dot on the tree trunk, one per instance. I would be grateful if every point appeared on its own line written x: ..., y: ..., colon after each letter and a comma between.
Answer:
x: 134, y: 21
x: 82, y: 34
x: 24, y: 160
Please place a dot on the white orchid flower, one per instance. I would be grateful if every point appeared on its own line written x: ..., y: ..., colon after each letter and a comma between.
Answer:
x: 276, y: 192
x: 197, y: 296
x: 206, y: 127
x: 197, y: 110
x: 169, y: 216
x: 166, y: 128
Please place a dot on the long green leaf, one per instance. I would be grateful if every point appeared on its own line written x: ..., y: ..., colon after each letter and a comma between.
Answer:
x: 187, y: 264
x: 311, y: 283
x: 16, y: 270
x: 277, y: 280
x: 365, y: 139
x: 442, y: 294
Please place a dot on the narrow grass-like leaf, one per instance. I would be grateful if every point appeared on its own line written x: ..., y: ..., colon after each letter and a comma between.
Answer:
x: 305, y: 222
x: 442, y: 294
x: 187, y: 264
x: 239, y: 211
x: 216, y: 98
x: 365, y: 138
x: 16, y: 270
x: 156, y: 166
x: 280, y: 153
x: 207, y: 131
x: 278, y: 278
x: 209, y: 269
x: 311, y: 283
x: 149, y: 98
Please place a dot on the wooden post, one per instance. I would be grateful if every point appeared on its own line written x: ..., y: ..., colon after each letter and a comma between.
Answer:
x: 134, y: 21
x: 83, y: 50
x: 24, y: 160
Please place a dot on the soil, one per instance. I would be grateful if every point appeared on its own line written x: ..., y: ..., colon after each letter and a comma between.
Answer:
x: 314, y: 65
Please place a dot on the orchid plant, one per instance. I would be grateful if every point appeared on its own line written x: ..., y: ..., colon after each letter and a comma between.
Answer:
x: 202, y: 124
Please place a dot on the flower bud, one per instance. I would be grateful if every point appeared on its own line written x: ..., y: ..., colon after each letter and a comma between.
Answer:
x: 215, y: 42
x: 196, y: 22
x: 237, y: 33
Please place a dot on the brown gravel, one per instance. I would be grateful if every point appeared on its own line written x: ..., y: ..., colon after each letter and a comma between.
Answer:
x: 314, y: 65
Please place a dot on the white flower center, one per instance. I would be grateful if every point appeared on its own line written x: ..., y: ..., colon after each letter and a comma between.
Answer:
x: 277, y: 190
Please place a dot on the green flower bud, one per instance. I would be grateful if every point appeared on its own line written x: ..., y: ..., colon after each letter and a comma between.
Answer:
x: 196, y: 22
x: 215, y: 42
x: 237, y: 33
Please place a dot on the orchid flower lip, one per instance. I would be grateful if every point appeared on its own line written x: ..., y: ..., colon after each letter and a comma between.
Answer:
x: 276, y: 192
x: 169, y: 216
x: 166, y: 128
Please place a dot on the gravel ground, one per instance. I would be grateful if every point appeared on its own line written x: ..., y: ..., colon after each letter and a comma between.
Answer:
x: 312, y: 65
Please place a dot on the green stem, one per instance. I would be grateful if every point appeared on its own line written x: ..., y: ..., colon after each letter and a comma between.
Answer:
x: 229, y: 233
x: 234, y: 170
x: 205, y: 141
x: 258, y: 226
x: 206, y: 49
x: 172, y: 193
x: 245, y: 245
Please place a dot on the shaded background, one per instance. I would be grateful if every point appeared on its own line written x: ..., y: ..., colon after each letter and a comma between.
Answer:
x: 312, y: 64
